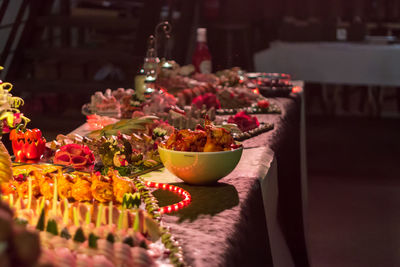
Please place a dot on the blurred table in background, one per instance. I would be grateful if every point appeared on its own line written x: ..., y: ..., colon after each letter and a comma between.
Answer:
x: 334, y: 64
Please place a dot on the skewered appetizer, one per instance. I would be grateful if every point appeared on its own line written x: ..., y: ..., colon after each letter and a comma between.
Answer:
x: 76, y: 186
x: 79, y: 233
x: 93, y: 233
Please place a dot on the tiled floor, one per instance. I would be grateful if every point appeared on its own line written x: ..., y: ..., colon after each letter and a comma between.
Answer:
x: 354, y: 192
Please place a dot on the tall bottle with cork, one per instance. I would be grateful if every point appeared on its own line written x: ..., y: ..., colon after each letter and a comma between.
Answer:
x: 202, y: 57
x: 147, y: 75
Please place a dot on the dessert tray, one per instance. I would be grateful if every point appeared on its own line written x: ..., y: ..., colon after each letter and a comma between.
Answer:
x: 270, y: 84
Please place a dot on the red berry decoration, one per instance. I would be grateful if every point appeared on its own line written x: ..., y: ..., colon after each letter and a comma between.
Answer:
x: 264, y: 104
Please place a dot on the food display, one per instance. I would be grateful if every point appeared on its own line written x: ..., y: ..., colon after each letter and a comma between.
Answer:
x: 271, y: 84
x: 209, y: 100
x: 262, y: 128
x: 111, y: 102
x: 202, y: 156
x: 27, y: 144
x: 123, y: 103
x: 247, y: 125
x: 10, y: 116
x: 90, y: 218
x: 128, y: 146
x: 244, y: 121
x: 78, y: 156
x: 79, y: 201
x: 75, y: 186
x: 98, y: 122
x: 227, y: 92
x: 204, y: 139
x: 159, y: 104
x: 190, y: 117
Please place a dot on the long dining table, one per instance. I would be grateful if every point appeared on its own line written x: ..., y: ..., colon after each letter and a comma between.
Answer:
x: 368, y: 65
x: 256, y: 215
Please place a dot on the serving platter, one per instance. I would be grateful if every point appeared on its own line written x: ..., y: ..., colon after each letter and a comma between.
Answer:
x: 254, y: 109
x: 58, y: 220
x: 87, y: 111
x: 262, y: 128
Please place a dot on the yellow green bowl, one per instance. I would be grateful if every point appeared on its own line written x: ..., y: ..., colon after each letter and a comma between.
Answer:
x: 200, y: 168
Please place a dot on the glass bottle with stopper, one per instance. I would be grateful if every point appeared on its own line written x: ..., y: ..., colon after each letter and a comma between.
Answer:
x: 146, y: 78
x: 164, y: 28
x: 150, y: 67
x: 201, y: 56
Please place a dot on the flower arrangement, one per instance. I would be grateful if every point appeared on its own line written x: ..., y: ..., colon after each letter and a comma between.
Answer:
x: 10, y: 116
x: 244, y: 121
x: 208, y: 99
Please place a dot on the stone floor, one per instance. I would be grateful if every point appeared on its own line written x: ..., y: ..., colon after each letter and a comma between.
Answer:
x: 354, y: 186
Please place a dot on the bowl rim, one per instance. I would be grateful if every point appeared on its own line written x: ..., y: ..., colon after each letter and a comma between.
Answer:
x: 201, y: 153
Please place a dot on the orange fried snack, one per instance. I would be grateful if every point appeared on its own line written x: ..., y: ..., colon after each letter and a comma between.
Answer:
x: 65, y: 183
x: 8, y: 188
x: 47, y: 187
x: 81, y: 190
x: 187, y: 140
x: 23, y: 188
x: 121, y: 185
x: 204, y: 139
x: 78, y: 186
x: 218, y: 139
x: 102, y: 189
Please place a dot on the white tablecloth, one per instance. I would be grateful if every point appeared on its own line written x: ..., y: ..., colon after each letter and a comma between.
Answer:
x: 335, y: 62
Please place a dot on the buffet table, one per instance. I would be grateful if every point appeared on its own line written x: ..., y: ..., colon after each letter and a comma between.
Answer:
x: 333, y: 62
x: 255, y: 215
x: 336, y: 63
